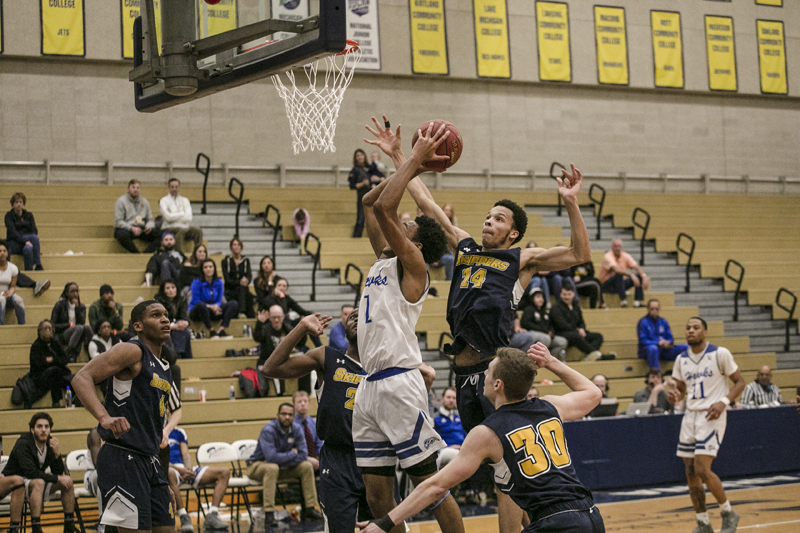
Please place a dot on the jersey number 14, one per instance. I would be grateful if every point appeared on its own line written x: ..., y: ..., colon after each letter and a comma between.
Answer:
x: 475, y: 279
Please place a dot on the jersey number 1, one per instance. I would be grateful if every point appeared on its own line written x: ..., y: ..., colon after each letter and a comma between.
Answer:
x: 543, y: 446
x: 476, y: 279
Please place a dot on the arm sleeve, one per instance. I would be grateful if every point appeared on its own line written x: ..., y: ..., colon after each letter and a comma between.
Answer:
x: 218, y: 290
x: 119, y: 215
x: 296, y: 307
x: 747, y: 394
x: 579, y: 312
x: 226, y: 270
x: 187, y: 208
x: 117, y: 322
x: 668, y: 332
x: 163, y: 206
x: 93, y: 314
x: 149, y: 222
x: 57, y: 316
x: 196, y: 293
x: 261, y: 296
x: 11, y: 230
x: 248, y: 272
x: 37, y: 359
x: 300, y: 443
x: 645, y: 334
x: 560, y: 322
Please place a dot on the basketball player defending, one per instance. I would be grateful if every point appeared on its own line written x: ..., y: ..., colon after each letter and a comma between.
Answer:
x: 524, y: 442
x: 488, y: 282
x: 134, y: 486
x: 703, y: 369
x: 390, y: 420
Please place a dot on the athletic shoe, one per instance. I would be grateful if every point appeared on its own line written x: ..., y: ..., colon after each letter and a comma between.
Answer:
x: 593, y: 356
x: 637, y: 303
x: 213, y: 521
x: 312, y: 514
x: 269, y: 519
x: 729, y: 521
x: 41, y: 286
x: 224, y: 336
x: 213, y: 334
x: 702, y: 527
x: 623, y: 303
x: 186, y: 524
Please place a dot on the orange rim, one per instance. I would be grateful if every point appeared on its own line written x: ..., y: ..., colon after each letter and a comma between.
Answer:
x: 351, y: 47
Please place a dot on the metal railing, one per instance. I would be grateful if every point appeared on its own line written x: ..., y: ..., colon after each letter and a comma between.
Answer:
x: 237, y: 199
x: 315, y: 257
x: 275, y: 226
x: 689, y: 253
x: 642, y: 227
x: 442, y: 338
x: 598, y: 202
x: 356, y: 286
x: 555, y: 178
x: 738, y: 282
x: 205, y: 172
x: 789, y: 310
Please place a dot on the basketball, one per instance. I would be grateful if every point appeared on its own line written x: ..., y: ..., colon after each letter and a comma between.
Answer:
x: 452, y: 145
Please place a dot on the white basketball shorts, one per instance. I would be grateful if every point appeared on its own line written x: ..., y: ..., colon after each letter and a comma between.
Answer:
x: 700, y: 436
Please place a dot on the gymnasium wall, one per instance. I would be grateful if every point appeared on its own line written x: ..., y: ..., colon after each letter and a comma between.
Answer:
x: 82, y: 110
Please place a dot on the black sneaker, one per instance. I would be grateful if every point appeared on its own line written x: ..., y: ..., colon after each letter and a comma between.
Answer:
x: 312, y: 514
x: 213, y: 334
x: 269, y: 519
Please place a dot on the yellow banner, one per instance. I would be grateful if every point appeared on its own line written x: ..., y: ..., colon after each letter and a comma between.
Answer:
x: 772, y: 56
x: 491, y: 38
x: 721, y: 53
x: 552, y: 28
x: 612, y: 45
x: 776, y: 3
x: 129, y: 11
x: 667, y: 49
x: 428, y: 37
x: 217, y: 18
x: 62, y: 28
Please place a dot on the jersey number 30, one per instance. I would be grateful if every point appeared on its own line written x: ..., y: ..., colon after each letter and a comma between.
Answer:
x: 543, y: 446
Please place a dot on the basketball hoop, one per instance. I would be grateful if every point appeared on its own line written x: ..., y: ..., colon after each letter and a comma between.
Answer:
x: 312, y: 111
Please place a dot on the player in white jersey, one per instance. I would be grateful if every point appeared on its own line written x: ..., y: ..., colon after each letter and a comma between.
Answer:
x: 390, y: 419
x: 703, y: 370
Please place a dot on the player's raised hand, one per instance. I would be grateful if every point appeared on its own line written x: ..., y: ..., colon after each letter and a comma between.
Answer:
x: 384, y: 138
x: 541, y: 356
x: 570, y: 183
x: 117, y: 425
x: 427, y: 143
x: 315, y: 323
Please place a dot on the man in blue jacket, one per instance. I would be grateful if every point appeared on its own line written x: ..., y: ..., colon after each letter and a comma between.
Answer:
x: 282, y: 454
x: 655, y: 337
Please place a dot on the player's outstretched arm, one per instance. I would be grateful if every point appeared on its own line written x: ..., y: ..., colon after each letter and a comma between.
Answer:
x: 172, y: 423
x: 280, y: 365
x: 584, y: 396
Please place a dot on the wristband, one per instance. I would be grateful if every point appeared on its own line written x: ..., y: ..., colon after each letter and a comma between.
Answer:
x: 725, y: 400
x: 384, y: 523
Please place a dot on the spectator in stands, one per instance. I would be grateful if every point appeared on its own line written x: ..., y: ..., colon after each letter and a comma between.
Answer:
x: 166, y: 262
x: 601, y: 410
x: 655, y: 392
x: 106, y: 308
x: 308, y: 426
x: 560, y: 278
x: 24, y: 282
x: 103, y: 339
x: 22, y: 237
x: 69, y: 320
x: 133, y: 219
x: 533, y: 393
x: 536, y: 321
x: 265, y: 281
x: 191, y: 270
x: 9, y: 299
x: 619, y: 272
x: 180, y: 469
x: 177, y: 213
x: 337, y: 338
x: 359, y: 180
x: 376, y: 165
x: 587, y: 285
x: 761, y: 392
x: 450, y: 213
x: 269, y: 329
x: 281, y: 454
x: 237, y: 275
x: 37, y: 458
x: 539, y: 281
x: 178, y: 309
x: 655, y: 337
x: 207, y: 303
x: 48, y: 361
x: 280, y: 297
x: 568, y: 322
x: 447, y: 424
x: 302, y: 224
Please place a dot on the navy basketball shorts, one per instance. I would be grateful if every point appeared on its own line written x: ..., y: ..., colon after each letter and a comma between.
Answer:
x: 572, y: 517
x: 473, y: 407
x: 134, y: 489
x: 341, y: 490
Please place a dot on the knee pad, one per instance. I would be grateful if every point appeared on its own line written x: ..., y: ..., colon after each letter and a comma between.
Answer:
x: 425, y: 468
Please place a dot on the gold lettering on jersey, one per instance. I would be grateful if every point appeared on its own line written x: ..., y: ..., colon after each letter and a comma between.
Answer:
x: 160, y: 383
x: 482, y: 260
x: 342, y: 374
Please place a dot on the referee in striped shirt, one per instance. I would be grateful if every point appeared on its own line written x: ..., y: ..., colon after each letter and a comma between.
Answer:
x: 761, y: 392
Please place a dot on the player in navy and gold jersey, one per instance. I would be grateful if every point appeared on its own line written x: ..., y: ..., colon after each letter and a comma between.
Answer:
x: 131, y: 420
x: 524, y: 442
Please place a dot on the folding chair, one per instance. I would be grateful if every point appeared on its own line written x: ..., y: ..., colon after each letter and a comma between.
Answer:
x: 222, y: 452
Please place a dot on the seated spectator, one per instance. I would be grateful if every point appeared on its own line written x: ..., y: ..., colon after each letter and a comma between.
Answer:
x: 22, y: 237
x: 308, y: 426
x: 761, y: 392
x: 536, y: 321
x: 9, y: 299
x: 48, y: 361
x: 103, y: 339
x: 559, y: 278
x: 178, y: 309
x: 281, y: 454
x: 180, y: 470
x: 376, y: 165
x: 533, y: 393
x: 291, y: 309
x: 207, y: 303
x: 587, y: 285
x: 302, y: 224
x: 37, y: 458
x: 269, y: 329
x: 619, y: 272
x: 106, y: 308
x: 69, y: 321
x: 191, y: 270
x: 166, y: 262
x: 655, y: 393
x: 176, y: 210
x: 450, y: 213
x: 237, y: 275
x: 25, y: 282
x: 568, y: 322
x: 337, y: 338
x: 447, y: 424
x: 539, y: 281
x: 655, y: 337
x: 602, y: 383
x: 134, y: 220
x: 265, y: 281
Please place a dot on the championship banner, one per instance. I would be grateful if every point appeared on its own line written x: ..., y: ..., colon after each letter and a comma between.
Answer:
x: 428, y: 37
x: 63, y: 28
x: 288, y: 10
x: 491, y: 38
x: 776, y: 3
x: 129, y: 10
x: 363, y: 27
x: 667, y: 49
x: 612, y: 45
x: 772, y: 56
x: 217, y: 18
x: 721, y: 53
x: 552, y: 28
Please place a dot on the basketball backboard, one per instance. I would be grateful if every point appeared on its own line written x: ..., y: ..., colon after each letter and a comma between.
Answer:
x: 205, y: 49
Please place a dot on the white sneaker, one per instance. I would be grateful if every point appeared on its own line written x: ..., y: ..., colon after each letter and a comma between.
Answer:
x: 623, y: 303
x: 637, y: 303
x: 593, y: 356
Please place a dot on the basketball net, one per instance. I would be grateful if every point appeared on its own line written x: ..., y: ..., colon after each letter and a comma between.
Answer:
x: 312, y: 111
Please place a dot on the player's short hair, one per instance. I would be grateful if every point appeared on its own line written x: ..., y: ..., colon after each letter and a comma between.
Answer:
x: 654, y: 372
x: 18, y: 196
x: 449, y: 388
x: 351, y: 306
x: 519, y: 218
x: 173, y: 179
x: 297, y: 395
x: 705, y: 324
x: 517, y: 372
x: 285, y: 404
x: 138, y: 312
x: 134, y: 181
x: 41, y: 415
x: 432, y: 237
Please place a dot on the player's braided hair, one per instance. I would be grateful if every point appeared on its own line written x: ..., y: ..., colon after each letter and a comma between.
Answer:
x: 432, y: 237
x: 519, y: 219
